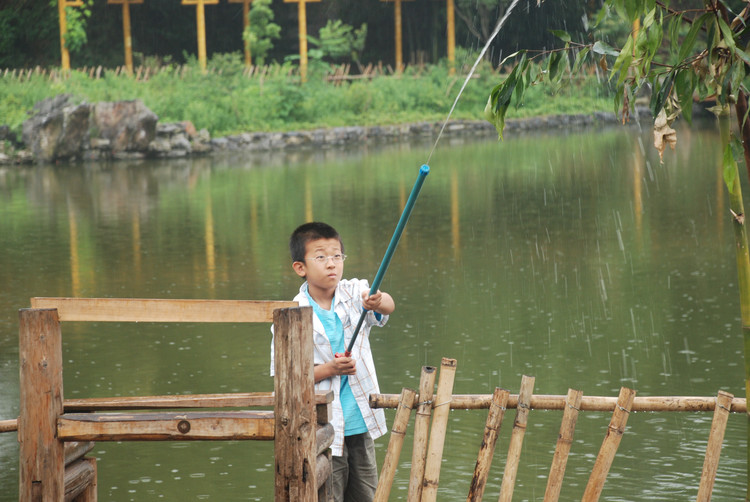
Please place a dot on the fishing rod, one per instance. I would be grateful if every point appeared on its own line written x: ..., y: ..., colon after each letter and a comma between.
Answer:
x: 423, y: 172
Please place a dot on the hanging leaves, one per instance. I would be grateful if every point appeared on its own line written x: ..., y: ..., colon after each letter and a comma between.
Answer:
x: 663, y: 134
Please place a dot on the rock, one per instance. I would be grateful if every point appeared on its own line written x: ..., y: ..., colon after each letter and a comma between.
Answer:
x: 180, y: 142
x: 58, y: 129
x: 128, y: 125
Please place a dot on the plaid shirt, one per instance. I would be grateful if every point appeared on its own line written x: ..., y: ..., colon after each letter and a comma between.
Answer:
x: 348, y: 306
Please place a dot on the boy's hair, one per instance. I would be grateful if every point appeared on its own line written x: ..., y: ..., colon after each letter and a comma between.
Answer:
x: 310, y: 232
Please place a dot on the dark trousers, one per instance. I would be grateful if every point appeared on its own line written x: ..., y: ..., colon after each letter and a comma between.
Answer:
x: 355, y: 472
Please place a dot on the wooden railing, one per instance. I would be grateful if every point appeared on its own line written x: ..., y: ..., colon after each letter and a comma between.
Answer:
x: 55, y: 434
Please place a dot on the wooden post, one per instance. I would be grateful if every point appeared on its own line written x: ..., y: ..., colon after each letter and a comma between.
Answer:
x: 295, y: 435
x: 64, y: 54
x: 200, y: 16
x: 128, y: 41
x: 302, y: 28
x: 398, y: 431
x: 421, y: 431
x: 451, y: 35
x: 713, y: 448
x: 245, y: 24
x: 609, y: 446
x: 516, y: 438
x: 41, y: 454
x: 397, y: 28
x: 437, y: 433
x: 564, y: 442
x: 487, y: 448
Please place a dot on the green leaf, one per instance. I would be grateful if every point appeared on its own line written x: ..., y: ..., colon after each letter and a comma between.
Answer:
x: 727, y: 34
x: 684, y: 83
x: 554, y: 65
x: 658, y: 98
x: 562, y: 35
x: 580, y: 58
x: 602, y: 48
x: 689, y: 42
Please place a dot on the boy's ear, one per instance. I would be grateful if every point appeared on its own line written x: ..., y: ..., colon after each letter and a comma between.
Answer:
x: 299, y: 268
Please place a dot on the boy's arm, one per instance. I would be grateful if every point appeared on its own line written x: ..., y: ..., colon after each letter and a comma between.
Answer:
x: 339, y: 366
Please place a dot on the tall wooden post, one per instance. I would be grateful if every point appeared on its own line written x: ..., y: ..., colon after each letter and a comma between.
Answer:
x: 41, y: 455
x: 245, y: 24
x: 397, y: 27
x: 128, y: 42
x: 451, y: 35
x: 200, y: 16
x: 294, y: 444
x: 64, y: 54
x: 302, y: 21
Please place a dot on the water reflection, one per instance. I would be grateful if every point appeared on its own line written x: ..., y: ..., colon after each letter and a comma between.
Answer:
x: 576, y: 258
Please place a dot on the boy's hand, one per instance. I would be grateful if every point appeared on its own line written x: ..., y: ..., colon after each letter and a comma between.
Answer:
x: 343, y: 366
x: 379, y: 302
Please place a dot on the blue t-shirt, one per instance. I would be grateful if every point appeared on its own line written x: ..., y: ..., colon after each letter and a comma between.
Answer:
x: 353, y: 421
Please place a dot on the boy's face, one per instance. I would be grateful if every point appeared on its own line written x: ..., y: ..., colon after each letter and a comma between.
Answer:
x: 323, y: 275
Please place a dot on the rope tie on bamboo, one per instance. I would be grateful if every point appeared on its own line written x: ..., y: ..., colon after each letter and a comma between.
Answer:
x: 722, y: 406
x: 623, y: 409
x: 442, y: 404
x: 422, y: 403
x: 573, y: 407
x: 498, y: 407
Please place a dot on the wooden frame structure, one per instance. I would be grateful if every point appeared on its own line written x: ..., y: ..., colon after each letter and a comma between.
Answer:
x: 54, y: 434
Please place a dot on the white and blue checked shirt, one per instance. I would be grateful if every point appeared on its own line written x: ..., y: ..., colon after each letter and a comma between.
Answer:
x: 348, y: 306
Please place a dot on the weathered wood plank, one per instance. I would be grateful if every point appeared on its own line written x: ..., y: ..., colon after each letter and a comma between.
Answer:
x: 41, y: 455
x: 160, y: 310
x: 79, y: 476
x: 233, y: 400
x: 74, y: 450
x: 296, y: 418
x: 588, y: 403
x: 258, y: 425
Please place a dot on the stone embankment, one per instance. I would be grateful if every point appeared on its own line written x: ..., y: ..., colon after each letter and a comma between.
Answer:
x: 62, y: 130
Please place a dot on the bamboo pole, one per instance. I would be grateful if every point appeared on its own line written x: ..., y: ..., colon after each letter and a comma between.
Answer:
x: 564, y: 442
x: 588, y: 403
x: 421, y: 430
x: 41, y: 454
x: 437, y: 434
x: 609, y: 446
x: 9, y: 425
x: 516, y: 439
x: 713, y: 449
x: 487, y: 448
x: 406, y: 404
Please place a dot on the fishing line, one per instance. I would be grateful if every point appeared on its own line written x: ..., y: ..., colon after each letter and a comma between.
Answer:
x: 471, y: 72
x: 423, y: 172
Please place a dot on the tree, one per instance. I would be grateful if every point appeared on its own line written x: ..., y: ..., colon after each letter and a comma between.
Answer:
x: 261, y: 31
x: 339, y: 41
x: 680, y: 51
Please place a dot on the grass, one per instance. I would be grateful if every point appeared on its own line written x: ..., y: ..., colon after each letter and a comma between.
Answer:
x: 229, y: 99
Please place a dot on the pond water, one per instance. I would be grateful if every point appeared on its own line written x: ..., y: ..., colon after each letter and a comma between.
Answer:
x: 575, y: 257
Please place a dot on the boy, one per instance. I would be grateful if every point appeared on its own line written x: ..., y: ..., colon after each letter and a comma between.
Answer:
x: 318, y: 257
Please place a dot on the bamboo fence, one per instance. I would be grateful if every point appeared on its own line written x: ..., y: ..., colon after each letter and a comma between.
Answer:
x: 571, y: 405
